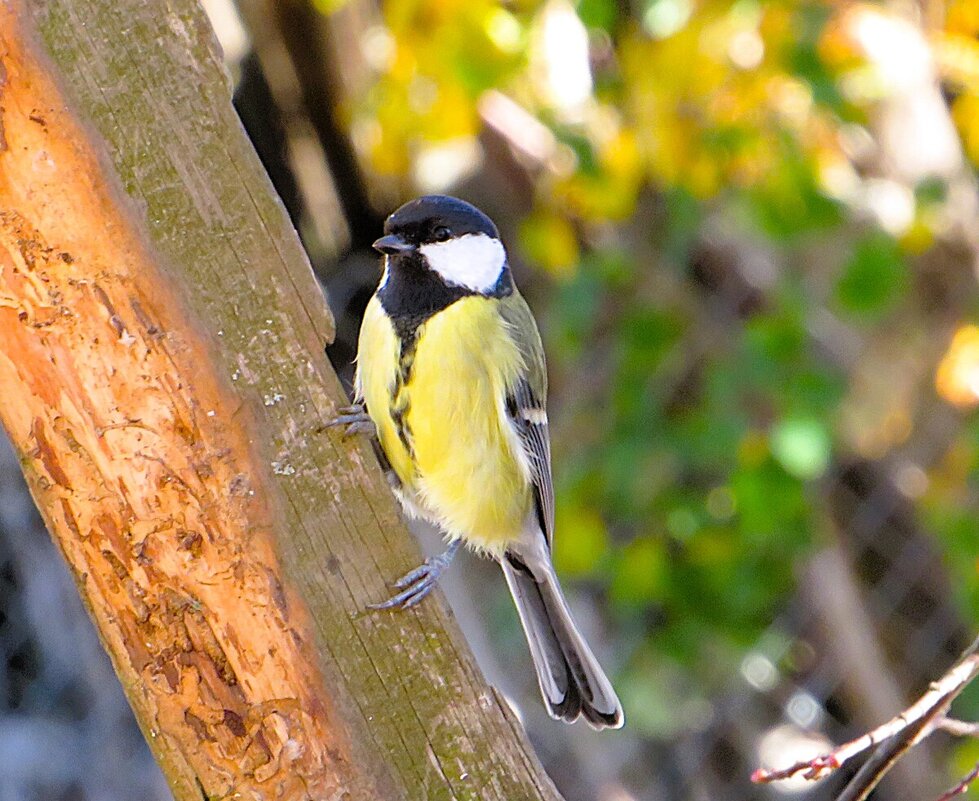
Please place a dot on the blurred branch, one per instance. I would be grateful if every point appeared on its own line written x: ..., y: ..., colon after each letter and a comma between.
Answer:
x: 914, y: 129
x: 892, y: 740
x: 868, y: 683
x: 304, y: 64
x: 271, y: 103
x: 959, y: 728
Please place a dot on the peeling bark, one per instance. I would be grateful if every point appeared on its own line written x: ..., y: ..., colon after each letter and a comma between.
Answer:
x: 162, y: 378
x: 143, y: 478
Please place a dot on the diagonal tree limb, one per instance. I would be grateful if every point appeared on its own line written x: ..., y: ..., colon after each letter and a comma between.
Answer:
x: 892, y: 739
x: 163, y: 380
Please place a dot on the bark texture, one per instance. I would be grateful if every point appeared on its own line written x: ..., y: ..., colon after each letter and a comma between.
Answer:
x: 163, y: 379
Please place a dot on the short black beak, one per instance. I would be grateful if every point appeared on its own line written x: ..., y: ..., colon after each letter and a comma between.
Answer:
x: 392, y: 244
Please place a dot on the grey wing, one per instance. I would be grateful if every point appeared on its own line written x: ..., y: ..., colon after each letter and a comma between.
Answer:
x: 526, y: 406
x: 530, y: 421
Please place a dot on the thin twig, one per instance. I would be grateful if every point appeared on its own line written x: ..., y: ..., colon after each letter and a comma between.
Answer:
x: 900, y: 733
x: 963, y: 785
x: 960, y: 728
x: 886, y: 756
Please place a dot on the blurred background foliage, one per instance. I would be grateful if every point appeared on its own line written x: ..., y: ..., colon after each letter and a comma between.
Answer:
x: 698, y: 419
x: 750, y: 233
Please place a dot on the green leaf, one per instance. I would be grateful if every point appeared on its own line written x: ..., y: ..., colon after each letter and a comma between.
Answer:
x: 642, y: 572
x: 802, y: 447
x: 583, y: 540
x: 875, y: 279
x: 602, y: 14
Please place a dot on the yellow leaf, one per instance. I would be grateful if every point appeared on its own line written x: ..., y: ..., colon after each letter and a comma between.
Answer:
x: 582, y: 541
x: 549, y: 239
x: 957, y: 377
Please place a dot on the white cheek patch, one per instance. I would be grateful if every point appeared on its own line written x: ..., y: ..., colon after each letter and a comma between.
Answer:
x: 473, y: 261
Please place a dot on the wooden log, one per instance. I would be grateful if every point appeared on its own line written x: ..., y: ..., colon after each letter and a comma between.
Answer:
x: 162, y: 377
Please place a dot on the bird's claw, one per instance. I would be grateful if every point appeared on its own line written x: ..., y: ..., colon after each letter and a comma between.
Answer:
x: 356, y: 420
x: 416, y: 584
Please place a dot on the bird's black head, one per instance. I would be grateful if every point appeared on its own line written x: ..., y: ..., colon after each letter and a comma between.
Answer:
x: 432, y: 219
x: 439, y: 249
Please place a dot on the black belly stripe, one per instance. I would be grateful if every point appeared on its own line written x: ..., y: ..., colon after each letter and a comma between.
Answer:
x: 400, y: 400
x: 399, y: 410
x: 411, y: 295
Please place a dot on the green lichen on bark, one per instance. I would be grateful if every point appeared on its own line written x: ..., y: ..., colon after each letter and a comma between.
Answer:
x: 148, y: 80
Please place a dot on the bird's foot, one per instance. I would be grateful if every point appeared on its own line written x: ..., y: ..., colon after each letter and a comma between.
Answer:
x: 418, y: 583
x: 356, y: 420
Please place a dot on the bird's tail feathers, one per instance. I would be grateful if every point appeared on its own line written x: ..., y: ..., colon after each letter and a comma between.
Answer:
x: 571, y: 680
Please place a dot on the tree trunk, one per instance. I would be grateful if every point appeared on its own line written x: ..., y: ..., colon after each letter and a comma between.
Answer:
x: 163, y: 379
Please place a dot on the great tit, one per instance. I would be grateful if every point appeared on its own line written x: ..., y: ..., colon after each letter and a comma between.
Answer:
x: 450, y: 369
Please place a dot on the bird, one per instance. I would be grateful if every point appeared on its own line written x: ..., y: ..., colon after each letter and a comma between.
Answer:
x: 451, y: 377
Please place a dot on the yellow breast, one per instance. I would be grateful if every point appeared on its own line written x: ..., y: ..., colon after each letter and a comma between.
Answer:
x: 444, y: 429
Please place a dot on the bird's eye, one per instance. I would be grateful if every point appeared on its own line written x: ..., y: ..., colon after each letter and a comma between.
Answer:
x: 441, y: 233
